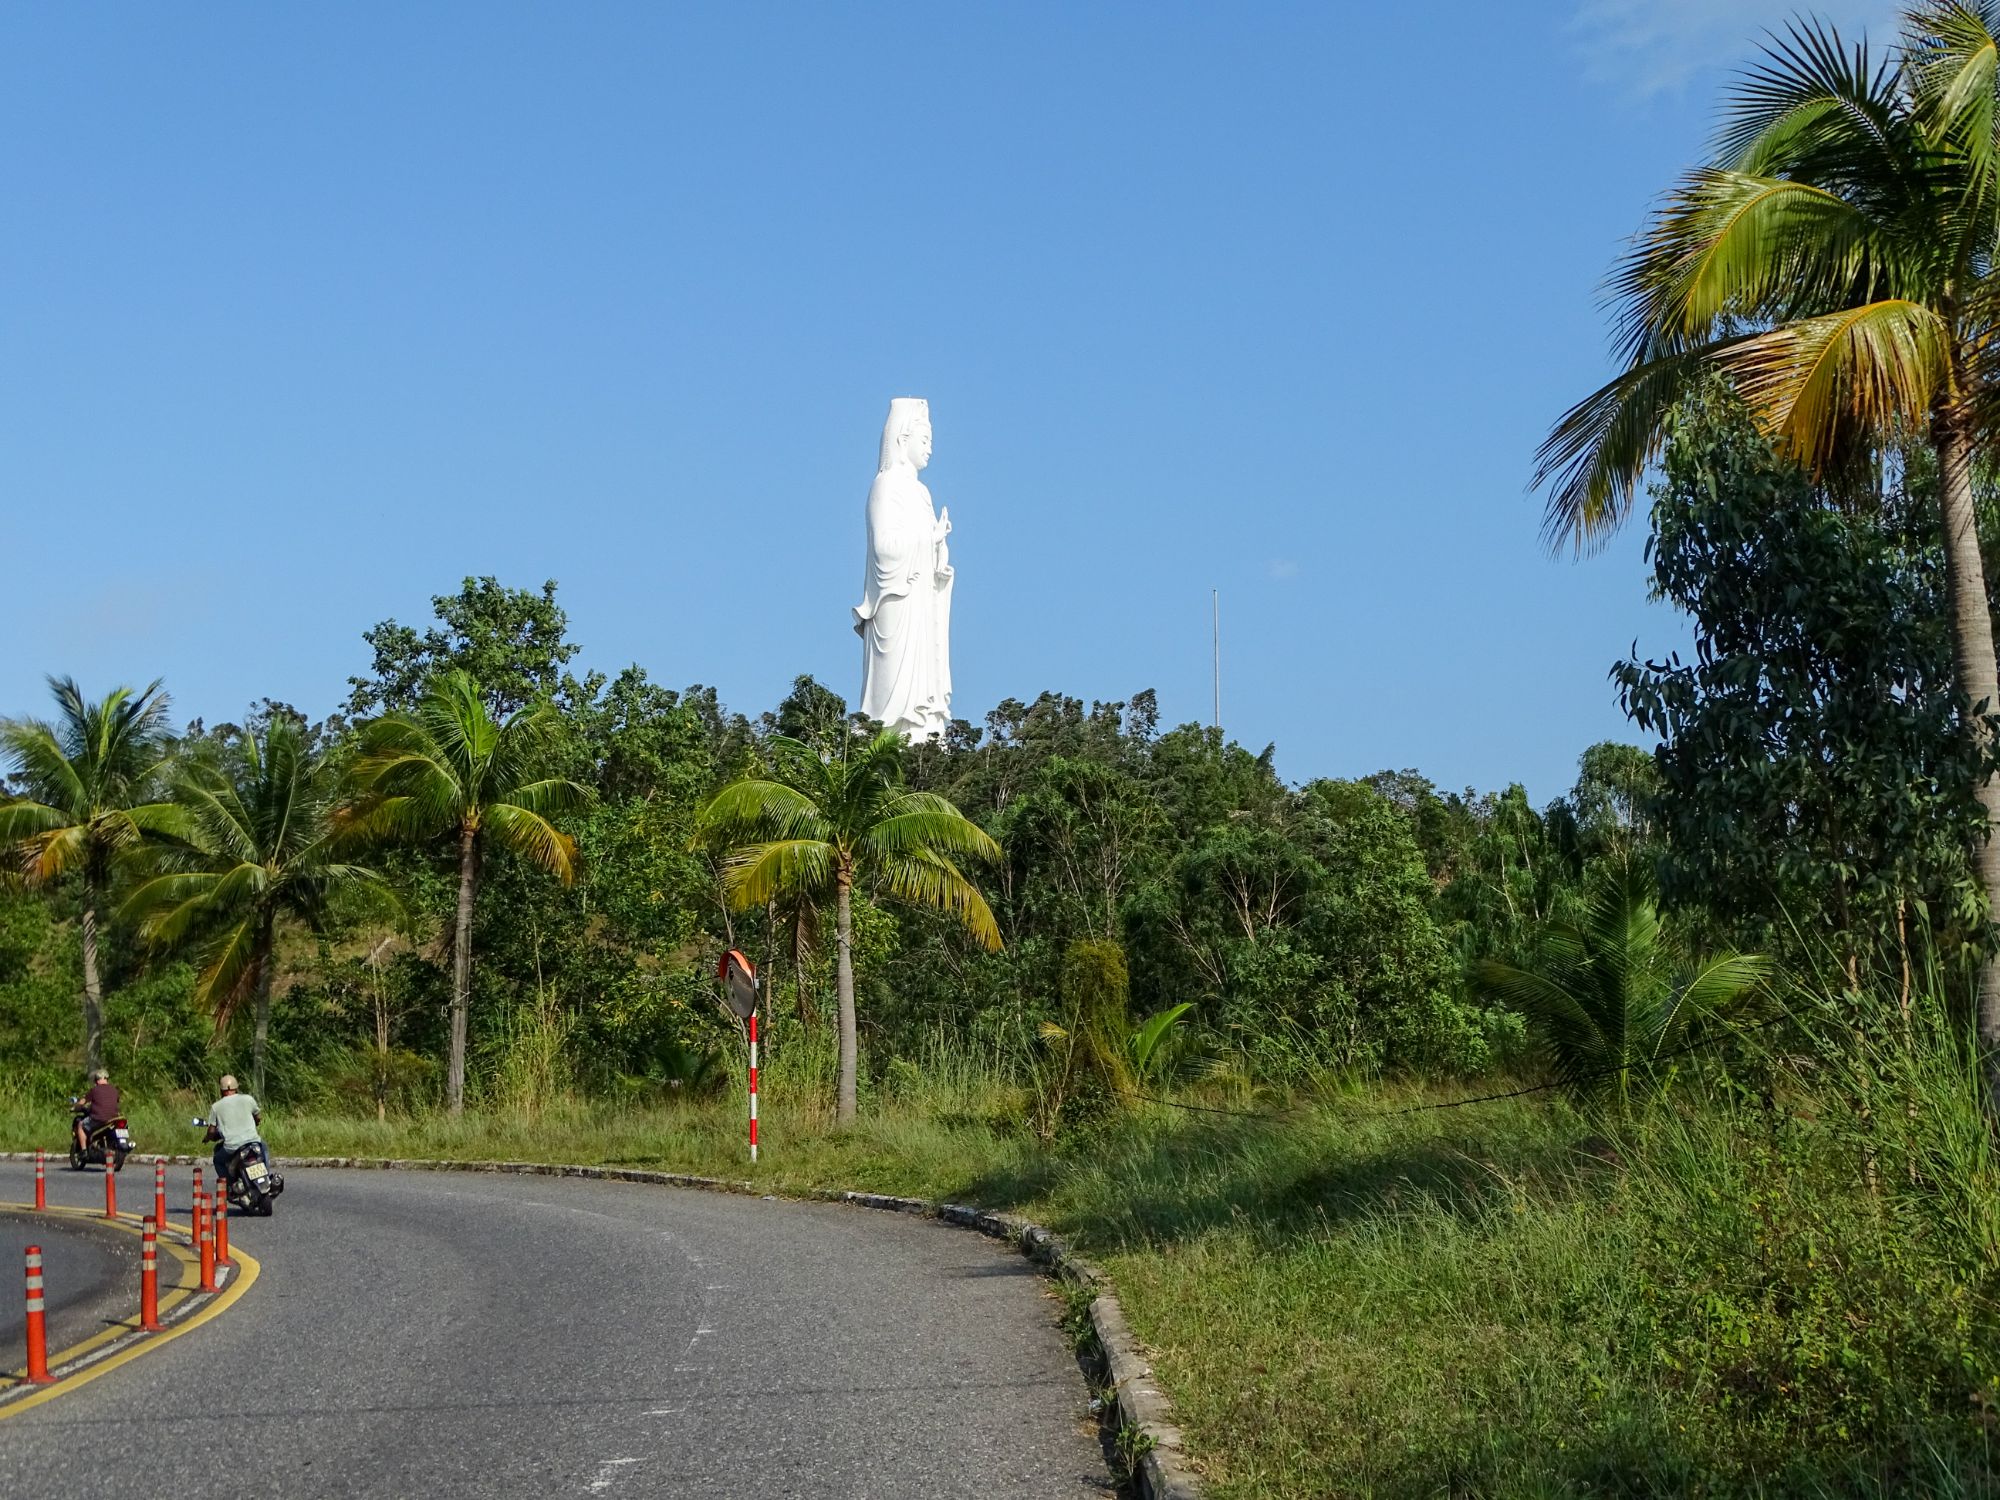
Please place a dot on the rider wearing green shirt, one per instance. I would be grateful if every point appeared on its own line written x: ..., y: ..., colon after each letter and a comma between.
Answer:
x: 233, y: 1120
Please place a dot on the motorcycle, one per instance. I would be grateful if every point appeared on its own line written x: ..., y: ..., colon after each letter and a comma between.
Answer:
x: 250, y: 1184
x: 109, y: 1143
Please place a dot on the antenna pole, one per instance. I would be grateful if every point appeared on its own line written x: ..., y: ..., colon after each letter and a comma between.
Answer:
x: 1215, y: 607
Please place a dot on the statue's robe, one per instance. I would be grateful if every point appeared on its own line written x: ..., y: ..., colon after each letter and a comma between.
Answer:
x: 903, y: 615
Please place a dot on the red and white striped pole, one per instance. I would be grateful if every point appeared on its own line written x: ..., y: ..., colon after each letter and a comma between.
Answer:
x: 41, y: 1181
x: 110, y: 1192
x: 149, y: 1276
x: 739, y: 989
x: 38, y: 1334
x: 160, y: 1193
x: 221, y: 1222
x: 753, y: 1085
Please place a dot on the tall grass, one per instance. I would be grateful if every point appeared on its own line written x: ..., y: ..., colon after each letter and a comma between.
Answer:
x: 1763, y: 1291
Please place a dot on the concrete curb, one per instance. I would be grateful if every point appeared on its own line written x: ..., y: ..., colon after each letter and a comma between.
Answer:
x: 1155, y: 1452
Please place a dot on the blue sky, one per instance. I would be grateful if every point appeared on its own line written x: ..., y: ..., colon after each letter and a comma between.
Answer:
x: 307, y: 314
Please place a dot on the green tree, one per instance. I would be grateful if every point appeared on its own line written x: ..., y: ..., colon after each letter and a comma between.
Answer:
x: 1835, y: 263
x: 1382, y: 952
x: 258, y: 849
x: 513, y: 642
x: 449, y: 769
x: 812, y: 714
x: 1605, y: 995
x: 1090, y: 1050
x: 1610, y: 810
x: 818, y: 825
x: 91, y: 784
x: 1814, y: 775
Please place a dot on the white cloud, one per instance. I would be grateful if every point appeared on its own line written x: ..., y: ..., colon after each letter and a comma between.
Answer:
x: 1284, y: 567
x: 1649, y: 47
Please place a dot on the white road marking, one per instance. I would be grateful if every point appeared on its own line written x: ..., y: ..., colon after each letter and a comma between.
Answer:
x: 607, y: 1470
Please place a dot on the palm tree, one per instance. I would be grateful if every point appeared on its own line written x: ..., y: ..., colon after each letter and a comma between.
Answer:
x: 1606, y: 996
x: 1834, y: 261
x: 450, y: 769
x: 259, y: 849
x: 90, y: 783
x: 819, y: 825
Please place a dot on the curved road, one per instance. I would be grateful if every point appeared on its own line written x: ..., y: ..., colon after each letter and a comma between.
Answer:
x: 455, y: 1334
x: 101, y: 1273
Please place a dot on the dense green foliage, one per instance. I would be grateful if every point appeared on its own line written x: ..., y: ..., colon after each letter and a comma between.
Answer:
x: 448, y: 771
x: 1612, y: 1003
x: 256, y: 844
x: 824, y: 821
x: 1833, y: 265
x: 1305, y: 930
x: 1813, y: 780
x: 89, y: 798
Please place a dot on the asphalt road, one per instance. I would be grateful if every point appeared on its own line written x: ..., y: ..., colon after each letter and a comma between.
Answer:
x: 457, y: 1335
x: 90, y: 1274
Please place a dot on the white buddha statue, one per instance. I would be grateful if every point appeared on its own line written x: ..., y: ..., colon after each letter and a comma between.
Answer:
x: 904, y: 617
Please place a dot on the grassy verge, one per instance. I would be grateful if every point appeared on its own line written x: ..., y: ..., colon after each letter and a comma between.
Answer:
x: 1775, y: 1297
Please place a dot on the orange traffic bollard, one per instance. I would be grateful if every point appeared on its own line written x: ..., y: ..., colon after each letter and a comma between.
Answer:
x: 160, y: 1193
x: 149, y: 1276
x: 110, y: 1192
x: 221, y: 1222
x: 38, y: 1336
x: 206, y: 1238
x: 41, y: 1182
x: 196, y: 1211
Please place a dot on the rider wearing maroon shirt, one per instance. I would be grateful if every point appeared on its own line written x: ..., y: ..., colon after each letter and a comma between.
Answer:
x: 100, y: 1107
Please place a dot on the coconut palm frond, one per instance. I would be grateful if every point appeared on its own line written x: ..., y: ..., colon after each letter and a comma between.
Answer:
x: 526, y: 833
x: 758, y: 873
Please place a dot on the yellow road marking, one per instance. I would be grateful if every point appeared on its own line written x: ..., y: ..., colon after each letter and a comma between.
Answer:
x: 247, y: 1270
x: 190, y: 1280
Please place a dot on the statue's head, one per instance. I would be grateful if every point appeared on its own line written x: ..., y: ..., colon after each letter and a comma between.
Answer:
x: 906, y: 436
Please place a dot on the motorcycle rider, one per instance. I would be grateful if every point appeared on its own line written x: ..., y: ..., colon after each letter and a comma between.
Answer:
x: 233, y: 1120
x: 98, y: 1109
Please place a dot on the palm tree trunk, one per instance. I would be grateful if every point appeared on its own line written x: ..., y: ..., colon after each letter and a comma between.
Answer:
x: 93, y: 993
x: 261, y: 1036
x: 1979, y: 681
x: 461, y: 966
x: 849, y: 1044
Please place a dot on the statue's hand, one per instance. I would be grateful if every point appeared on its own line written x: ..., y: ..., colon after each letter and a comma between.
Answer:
x: 944, y: 523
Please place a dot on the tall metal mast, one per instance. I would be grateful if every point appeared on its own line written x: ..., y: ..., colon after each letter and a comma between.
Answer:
x: 1215, y: 607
